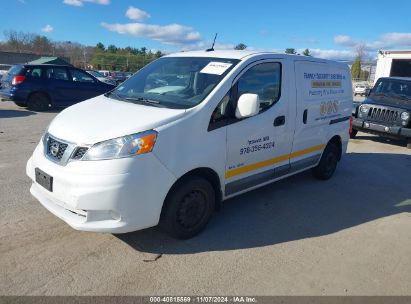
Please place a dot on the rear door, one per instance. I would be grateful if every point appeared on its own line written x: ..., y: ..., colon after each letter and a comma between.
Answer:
x: 60, y: 85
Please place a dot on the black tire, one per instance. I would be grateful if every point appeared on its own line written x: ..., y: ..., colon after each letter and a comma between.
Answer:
x: 20, y: 104
x: 353, y: 133
x: 328, y: 162
x: 188, y: 208
x: 38, y: 102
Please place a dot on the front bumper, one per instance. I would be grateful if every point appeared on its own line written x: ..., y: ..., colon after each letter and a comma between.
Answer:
x: 114, y: 196
x: 381, y: 129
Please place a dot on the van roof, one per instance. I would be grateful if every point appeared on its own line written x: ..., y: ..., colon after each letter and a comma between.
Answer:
x: 228, y: 54
x: 242, y: 54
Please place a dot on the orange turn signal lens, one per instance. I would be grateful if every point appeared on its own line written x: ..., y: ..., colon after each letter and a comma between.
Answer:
x: 147, y: 143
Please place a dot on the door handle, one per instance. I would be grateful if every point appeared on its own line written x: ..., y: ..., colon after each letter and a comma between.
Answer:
x: 279, y: 121
x: 305, y: 114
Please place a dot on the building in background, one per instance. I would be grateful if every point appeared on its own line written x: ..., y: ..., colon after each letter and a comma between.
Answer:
x: 393, y: 63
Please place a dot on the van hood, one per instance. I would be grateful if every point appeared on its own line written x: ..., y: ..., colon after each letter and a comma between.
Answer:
x: 103, y: 118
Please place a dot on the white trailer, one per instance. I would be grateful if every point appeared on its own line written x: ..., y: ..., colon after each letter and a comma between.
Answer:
x: 393, y: 64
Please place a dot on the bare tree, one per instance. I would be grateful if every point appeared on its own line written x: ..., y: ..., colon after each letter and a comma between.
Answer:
x: 360, y: 52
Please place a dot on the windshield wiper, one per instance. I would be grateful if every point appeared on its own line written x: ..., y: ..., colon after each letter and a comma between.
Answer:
x: 144, y: 100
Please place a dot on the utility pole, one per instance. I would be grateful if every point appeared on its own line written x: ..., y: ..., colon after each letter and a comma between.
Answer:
x: 84, y: 58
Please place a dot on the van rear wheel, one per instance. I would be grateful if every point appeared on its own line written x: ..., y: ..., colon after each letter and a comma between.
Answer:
x: 38, y: 102
x: 328, y: 162
x: 188, y: 208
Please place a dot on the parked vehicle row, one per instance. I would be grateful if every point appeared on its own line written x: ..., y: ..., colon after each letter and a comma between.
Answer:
x: 101, y: 77
x: 116, y: 76
x: 3, y: 69
x: 40, y: 87
x: 361, y: 89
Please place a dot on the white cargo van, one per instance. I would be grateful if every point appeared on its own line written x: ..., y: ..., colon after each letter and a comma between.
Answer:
x: 187, y: 132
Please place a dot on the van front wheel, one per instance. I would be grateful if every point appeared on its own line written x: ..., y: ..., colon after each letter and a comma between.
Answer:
x: 328, y: 162
x: 188, y: 208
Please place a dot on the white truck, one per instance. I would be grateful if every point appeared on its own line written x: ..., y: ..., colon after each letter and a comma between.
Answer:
x: 188, y: 131
x: 393, y: 64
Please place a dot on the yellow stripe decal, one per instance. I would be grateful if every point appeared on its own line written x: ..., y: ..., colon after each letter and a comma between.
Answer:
x: 271, y: 161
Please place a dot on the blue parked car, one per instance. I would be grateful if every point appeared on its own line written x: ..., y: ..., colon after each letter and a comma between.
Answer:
x: 45, y: 86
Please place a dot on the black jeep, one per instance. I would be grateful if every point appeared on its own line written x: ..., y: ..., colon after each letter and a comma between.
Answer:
x: 387, y: 110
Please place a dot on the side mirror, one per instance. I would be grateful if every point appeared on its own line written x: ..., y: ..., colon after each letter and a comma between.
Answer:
x: 248, y: 105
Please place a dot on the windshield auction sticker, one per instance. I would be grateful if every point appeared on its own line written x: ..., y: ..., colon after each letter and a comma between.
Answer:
x: 216, y: 68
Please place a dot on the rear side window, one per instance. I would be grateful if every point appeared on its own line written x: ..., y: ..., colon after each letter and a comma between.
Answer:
x: 57, y: 73
x: 80, y: 76
x: 33, y: 72
x: 264, y: 80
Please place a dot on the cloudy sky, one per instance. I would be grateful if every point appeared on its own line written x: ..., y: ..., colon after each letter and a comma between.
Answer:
x: 330, y: 29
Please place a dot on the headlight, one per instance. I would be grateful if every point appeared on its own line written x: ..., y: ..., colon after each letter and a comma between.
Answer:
x: 364, y: 109
x: 126, y: 146
x: 405, y: 115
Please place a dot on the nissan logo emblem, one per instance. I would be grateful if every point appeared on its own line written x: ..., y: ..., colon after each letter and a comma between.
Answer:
x: 54, y: 149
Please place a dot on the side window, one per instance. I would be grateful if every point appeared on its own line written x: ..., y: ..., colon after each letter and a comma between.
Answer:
x: 223, y: 114
x: 264, y: 80
x: 221, y: 111
x: 34, y: 72
x: 80, y: 76
x: 57, y: 73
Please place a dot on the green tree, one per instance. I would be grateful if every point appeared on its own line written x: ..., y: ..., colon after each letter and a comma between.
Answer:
x: 307, y: 52
x: 100, y: 47
x: 356, y: 68
x: 112, y: 48
x: 290, y: 51
x: 240, y: 46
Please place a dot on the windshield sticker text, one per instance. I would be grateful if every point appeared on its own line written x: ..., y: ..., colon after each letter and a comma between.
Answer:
x: 216, y: 68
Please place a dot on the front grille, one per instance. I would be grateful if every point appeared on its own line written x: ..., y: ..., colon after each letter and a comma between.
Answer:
x: 79, y: 153
x: 383, y: 115
x: 55, y: 148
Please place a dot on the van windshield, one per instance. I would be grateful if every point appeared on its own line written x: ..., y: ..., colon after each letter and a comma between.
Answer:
x: 174, y: 82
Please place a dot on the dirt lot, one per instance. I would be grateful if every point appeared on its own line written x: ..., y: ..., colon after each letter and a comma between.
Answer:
x: 350, y: 235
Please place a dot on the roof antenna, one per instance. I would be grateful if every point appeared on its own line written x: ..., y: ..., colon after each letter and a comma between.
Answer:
x: 212, y: 47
